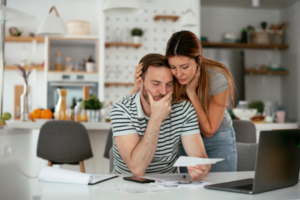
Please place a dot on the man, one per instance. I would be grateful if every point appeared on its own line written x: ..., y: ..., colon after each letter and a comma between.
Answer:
x: 147, y: 126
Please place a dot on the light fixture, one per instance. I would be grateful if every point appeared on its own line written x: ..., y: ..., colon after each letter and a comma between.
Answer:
x: 52, y: 25
x: 122, y: 7
x: 189, y: 19
x: 8, y: 14
x: 255, y: 3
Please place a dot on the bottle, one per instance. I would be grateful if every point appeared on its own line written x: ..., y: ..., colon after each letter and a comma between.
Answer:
x: 69, y: 64
x: 58, y: 61
x: 107, y: 111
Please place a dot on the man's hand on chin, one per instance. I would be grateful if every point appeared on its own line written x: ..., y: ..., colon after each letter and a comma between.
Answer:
x: 199, y: 171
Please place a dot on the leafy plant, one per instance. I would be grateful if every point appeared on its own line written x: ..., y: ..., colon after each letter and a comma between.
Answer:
x: 137, y: 32
x: 259, y: 105
x: 92, y: 103
x: 24, y: 73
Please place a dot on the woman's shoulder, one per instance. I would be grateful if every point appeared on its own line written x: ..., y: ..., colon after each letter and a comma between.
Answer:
x: 217, y: 81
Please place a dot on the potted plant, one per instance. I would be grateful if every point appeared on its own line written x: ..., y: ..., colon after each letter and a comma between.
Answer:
x: 92, y: 106
x: 136, y: 34
x: 90, y: 65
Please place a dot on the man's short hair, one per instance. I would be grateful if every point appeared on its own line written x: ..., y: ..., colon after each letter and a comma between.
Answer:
x: 152, y: 59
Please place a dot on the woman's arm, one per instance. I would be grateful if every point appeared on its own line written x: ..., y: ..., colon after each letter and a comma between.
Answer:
x: 210, y: 123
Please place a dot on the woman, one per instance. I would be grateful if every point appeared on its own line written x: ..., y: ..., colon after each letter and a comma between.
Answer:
x: 206, y: 84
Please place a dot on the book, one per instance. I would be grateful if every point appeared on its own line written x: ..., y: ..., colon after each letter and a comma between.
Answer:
x: 56, y: 175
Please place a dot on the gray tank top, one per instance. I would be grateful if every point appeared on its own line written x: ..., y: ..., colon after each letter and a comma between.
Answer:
x: 218, y: 83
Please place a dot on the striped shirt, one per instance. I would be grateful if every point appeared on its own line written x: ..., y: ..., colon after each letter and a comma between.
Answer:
x: 127, y: 117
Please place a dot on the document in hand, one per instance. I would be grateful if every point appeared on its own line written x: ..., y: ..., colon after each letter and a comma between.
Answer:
x: 184, y: 161
x: 51, y: 174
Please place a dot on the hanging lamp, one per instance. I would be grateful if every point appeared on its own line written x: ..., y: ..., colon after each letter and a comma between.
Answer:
x: 52, y: 25
x: 122, y: 7
x: 189, y: 18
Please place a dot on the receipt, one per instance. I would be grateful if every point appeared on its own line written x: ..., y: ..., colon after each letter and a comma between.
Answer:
x: 184, y: 161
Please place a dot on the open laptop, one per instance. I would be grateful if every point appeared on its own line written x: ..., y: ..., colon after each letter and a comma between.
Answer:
x: 277, y: 164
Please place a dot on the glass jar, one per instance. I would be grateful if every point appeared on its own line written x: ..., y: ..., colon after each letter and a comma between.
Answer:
x: 69, y: 64
x: 58, y: 61
x: 268, y: 112
x: 80, y: 113
x: 243, y: 105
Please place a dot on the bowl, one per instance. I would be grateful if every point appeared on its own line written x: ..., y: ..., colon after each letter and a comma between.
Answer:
x: 42, y: 120
x: 244, y: 114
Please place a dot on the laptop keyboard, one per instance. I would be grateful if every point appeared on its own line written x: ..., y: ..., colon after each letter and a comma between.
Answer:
x: 245, y: 187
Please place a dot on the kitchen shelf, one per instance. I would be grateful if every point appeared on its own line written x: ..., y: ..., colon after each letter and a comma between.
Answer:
x: 109, y: 44
x: 243, y: 45
x: 118, y: 84
x: 24, y: 39
x: 38, y: 68
x: 174, y: 18
x: 261, y: 72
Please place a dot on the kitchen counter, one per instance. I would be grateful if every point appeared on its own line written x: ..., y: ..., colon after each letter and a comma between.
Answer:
x: 37, y: 125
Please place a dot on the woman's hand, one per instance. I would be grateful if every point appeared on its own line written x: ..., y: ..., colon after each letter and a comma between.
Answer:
x: 193, y: 84
x: 137, y: 77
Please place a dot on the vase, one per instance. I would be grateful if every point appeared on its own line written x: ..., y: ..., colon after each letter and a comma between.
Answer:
x: 136, y: 39
x: 93, y: 115
x: 90, y: 67
x: 61, y: 107
x: 25, y: 104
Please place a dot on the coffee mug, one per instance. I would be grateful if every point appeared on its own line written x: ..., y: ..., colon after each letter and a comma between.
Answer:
x: 280, y: 116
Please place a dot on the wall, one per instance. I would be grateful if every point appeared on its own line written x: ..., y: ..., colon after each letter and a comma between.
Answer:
x: 68, y: 10
x: 290, y: 84
x: 120, y: 62
x: 215, y: 21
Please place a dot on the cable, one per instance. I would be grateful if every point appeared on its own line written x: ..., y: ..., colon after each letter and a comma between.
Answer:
x: 18, y: 168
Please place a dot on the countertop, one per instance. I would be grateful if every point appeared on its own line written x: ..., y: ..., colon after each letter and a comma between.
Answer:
x: 37, y: 125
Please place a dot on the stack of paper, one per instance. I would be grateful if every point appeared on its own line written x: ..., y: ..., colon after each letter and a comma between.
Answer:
x: 51, y: 174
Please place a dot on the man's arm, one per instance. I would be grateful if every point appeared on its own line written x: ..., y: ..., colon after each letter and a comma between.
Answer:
x: 194, y: 147
x: 138, y: 153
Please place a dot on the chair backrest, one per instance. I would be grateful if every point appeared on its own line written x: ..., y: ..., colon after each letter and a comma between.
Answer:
x: 245, y: 131
x: 246, y: 156
x: 109, y: 143
x: 111, y: 160
x: 64, y: 142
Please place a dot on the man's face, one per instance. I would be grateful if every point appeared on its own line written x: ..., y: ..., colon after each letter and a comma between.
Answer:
x: 158, y: 81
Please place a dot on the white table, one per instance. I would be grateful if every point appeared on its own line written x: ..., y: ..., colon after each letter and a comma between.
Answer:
x: 78, y: 192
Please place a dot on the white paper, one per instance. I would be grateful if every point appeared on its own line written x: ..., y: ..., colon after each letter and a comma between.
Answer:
x: 184, y: 161
x: 51, y: 174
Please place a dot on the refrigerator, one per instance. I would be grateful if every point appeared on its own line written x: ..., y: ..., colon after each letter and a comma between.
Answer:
x: 233, y: 59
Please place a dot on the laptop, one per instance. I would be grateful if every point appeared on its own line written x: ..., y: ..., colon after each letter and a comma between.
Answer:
x: 277, y: 164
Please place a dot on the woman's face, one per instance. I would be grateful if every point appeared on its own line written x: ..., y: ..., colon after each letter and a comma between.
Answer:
x: 183, y: 68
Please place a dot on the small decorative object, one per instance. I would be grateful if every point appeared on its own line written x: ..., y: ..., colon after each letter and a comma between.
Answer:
x: 69, y: 64
x: 77, y: 27
x: 58, y: 61
x: 31, y: 34
x: 61, y: 107
x: 80, y: 113
x: 263, y: 25
x: 14, y: 31
x: 136, y: 34
x: 5, y: 116
x: 280, y: 114
x: 92, y: 106
x: 90, y: 65
x: 25, y: 97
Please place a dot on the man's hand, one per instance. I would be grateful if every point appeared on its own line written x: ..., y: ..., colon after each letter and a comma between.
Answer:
x: 162, y: 108
x: 199, y: 171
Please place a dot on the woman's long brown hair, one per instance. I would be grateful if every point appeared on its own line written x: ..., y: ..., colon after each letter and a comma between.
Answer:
x: 186, y: 43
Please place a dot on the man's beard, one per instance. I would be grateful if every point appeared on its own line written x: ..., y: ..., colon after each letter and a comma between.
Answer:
x: 146, y: 97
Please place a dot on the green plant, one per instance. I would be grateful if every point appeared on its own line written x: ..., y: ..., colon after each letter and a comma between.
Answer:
x: 259, y: 105
x: 137, y: 32
x: 92, y: 103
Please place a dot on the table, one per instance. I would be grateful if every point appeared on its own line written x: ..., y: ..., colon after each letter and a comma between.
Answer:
x: 59, y: 191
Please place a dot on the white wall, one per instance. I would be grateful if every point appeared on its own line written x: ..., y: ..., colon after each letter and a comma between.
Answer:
x: 291, y: 59
x: 120, y: 62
